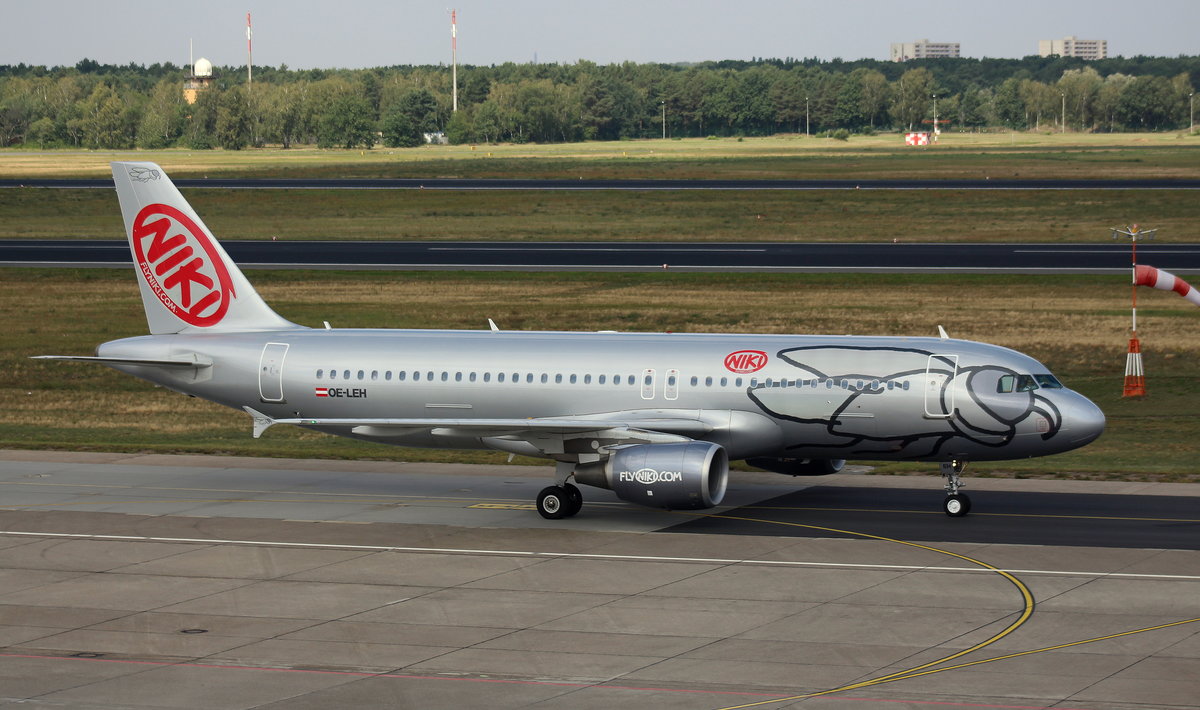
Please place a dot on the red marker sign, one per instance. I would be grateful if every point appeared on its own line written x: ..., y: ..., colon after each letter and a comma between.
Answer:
x: 182, y: 265
x: 745, y: 361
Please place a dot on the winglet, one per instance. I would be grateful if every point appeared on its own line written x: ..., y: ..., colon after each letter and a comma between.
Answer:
x: 261, y: 421
x: 492, y: 325
x: 942, y: 333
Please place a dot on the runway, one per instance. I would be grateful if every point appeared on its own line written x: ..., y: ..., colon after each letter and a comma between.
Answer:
x: 767, y: 257
x: 432, y: 183
x: 161, y: 581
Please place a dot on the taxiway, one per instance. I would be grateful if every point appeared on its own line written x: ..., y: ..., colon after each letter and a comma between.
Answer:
x: 211, y: 582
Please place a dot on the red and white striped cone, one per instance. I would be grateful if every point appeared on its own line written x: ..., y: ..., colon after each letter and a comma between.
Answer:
x: 1135, y: 377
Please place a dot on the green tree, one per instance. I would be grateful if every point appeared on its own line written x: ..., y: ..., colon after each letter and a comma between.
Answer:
x: 233, y: 120
x: 42, y: 131
x: 914, y: 97
x: 162, y: 117
x: 105, y: 120
x: 399, y: 130
x: 1079, y: 87
x: 346, y: 123
x: 874, y: 95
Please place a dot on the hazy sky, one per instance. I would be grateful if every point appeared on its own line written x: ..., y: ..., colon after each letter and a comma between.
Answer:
x: 365, y: 33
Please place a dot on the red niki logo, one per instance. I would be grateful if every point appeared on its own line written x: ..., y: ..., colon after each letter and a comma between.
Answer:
x: 746, y: 361
x: 194, y: 285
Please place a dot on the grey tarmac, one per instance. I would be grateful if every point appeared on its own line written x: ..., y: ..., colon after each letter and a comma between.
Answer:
x: 153, y: 581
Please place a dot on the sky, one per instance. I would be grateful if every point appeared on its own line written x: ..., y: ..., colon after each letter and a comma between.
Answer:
x: 306, y: 34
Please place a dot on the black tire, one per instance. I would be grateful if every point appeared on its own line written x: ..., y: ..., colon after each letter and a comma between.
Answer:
x: 574, y: 500
x: 553, y: 503
x: 957, y: 505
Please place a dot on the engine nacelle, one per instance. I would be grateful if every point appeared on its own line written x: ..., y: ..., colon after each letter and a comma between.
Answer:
x: 682, y: 476
x: 799, y: 467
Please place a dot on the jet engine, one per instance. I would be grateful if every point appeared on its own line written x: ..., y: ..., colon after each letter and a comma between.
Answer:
x: 679, y: 476
x: 799, y: 467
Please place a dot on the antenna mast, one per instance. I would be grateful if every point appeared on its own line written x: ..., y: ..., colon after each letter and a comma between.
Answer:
x: 249, y: 54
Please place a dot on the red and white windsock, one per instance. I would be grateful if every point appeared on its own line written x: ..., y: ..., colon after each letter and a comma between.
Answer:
x: 1157, y: 278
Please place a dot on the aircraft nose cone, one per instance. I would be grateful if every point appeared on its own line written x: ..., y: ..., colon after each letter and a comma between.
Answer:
x: 1084, y: 421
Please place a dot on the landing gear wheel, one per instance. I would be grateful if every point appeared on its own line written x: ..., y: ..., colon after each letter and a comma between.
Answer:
x: 957, y: 505
x: 574, y: 500
x: 554, y: 502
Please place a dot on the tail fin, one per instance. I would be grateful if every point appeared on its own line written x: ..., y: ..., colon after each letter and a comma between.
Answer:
x: 187, y: 280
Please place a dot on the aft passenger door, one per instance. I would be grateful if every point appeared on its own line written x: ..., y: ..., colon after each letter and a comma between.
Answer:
x: 940, y: 371
x: 270, y: 372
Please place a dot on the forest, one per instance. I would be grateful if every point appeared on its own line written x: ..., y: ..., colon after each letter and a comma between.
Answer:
x: 96, y: 106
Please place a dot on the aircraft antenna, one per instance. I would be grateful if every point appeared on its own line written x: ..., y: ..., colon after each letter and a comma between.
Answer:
x: 1135, y: 375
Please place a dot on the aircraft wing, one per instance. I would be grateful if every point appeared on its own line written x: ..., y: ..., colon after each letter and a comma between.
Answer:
x: 145, y: 362
x: 619, y: 426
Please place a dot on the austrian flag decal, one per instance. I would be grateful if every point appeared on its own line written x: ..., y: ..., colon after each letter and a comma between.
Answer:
x: 322, y: 391
x: 182, y: 265
x: 744, y: 362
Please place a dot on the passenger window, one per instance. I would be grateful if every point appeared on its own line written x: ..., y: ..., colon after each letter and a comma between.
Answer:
x: 320, y: 374
x: 487, y: 377
x: 545, y: 378
x: 724, y: 381
x: 587, y: 379
x: 499, y: 376
x: 695, y: 380
x: 429, y: 375
x: 600, y: 380
x: 473, y: 376
x: 708, y: 382
x: 374, y: 375
x: 445, y: 376
x: 572, y: 379
x: 529, y: 378
x: 458, y: 377
x: 400, y: 375
x: 632, y: 379
x: 345, y: 374
x: 906, y: 384
x: 737, y: 382
x: 361, y: 374
x: 558, y: 379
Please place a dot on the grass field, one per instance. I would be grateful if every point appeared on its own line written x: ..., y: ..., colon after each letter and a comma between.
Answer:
x: 957, y: 156
x: 1077, y: 325
x: 762, y: 215
x: 759, y: 215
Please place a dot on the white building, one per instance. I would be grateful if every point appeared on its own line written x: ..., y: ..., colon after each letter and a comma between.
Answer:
x: 923, y: 49
x: 1074, y: 47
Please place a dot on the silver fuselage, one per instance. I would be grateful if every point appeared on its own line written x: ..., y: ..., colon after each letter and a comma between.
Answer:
x: 843, y: 397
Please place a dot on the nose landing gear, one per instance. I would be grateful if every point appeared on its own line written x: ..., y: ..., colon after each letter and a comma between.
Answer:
x: 956, y: 504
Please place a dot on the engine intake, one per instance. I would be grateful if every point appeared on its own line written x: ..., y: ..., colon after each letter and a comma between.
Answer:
x: 683, y: 476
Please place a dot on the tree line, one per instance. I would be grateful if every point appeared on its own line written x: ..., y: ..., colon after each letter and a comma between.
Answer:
x: 91, y: 105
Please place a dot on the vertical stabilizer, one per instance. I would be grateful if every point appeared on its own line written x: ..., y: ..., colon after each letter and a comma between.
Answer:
x: 188, y: 282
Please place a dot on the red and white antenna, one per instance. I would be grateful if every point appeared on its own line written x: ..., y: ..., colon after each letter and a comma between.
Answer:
x: 249, y: 53
x: 454, y: 59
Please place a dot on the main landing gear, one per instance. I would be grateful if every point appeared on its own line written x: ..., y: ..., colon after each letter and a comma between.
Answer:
x: 956, y: 504
x: 558, y: 502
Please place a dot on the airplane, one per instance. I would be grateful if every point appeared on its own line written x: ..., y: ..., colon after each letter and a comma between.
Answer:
x: 654, y: 417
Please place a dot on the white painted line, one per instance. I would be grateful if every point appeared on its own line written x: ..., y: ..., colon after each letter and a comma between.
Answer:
x: 680, y: 249
x: 578, y: 555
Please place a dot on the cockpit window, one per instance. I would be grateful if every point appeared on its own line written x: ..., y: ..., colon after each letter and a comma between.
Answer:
x: 1049, y: 382
x: 1023, y: 383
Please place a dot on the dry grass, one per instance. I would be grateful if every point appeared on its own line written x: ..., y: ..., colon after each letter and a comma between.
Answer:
x: 958, y: 155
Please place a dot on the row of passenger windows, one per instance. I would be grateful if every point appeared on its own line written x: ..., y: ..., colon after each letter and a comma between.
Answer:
x: 648, y: 379
x: 444, y: 376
